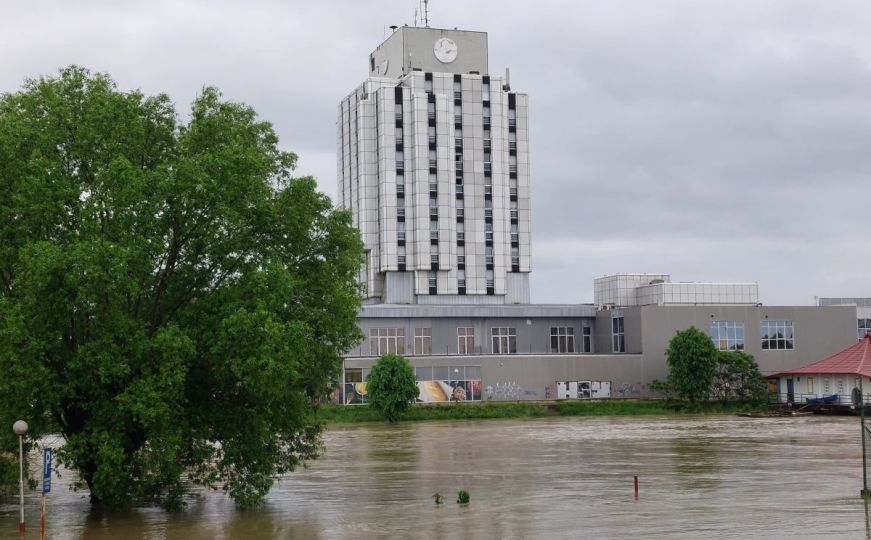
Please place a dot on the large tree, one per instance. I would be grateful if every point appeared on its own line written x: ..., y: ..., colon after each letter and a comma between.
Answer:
x: 691, y: 358
x: 171, y: 299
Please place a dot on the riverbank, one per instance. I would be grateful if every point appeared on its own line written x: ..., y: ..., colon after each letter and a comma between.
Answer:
x: 339, y: 414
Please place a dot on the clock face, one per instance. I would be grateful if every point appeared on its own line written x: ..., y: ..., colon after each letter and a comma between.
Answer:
x: 445, y: 50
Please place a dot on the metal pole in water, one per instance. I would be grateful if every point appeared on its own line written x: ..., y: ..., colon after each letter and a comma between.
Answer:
x: 636, y: 487
x: 865, y: 492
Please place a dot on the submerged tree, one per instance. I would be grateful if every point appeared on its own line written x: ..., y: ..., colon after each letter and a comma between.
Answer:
x: 691, y: 358
x: 392, y: 386
x: 171, y: 299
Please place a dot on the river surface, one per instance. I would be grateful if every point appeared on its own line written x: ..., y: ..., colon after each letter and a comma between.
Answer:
x: 699, y: 477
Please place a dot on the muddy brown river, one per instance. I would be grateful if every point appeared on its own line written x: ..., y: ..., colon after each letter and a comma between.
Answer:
x: 699, y: 477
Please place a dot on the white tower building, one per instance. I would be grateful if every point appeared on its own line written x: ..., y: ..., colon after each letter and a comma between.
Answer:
x: 433, y: 161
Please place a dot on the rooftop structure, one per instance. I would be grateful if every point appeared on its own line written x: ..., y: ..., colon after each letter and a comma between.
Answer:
x: 627, y: 290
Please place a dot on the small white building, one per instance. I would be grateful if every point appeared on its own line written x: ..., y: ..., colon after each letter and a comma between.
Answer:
x: 836, y: 375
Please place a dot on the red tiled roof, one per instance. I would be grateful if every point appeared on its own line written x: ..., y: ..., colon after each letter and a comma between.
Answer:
x: 855, y: 359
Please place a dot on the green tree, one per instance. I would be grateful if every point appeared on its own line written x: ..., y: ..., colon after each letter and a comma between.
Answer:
x: 392, y: 386
x: 171, y: 299
x: 691, y: 358
x: 737, y: 377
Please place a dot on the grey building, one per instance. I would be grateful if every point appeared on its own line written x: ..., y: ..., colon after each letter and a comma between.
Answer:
x: 433, y: 162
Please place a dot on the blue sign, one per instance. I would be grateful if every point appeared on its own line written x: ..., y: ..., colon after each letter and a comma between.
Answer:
x: 46, y: 471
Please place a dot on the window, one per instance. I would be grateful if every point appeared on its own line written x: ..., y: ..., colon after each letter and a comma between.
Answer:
x: 588, y: 339
x: 465, y: 340
x: 864, y: 327
x: 432, y: 282
x: 810, y: 385
x: 423, y: 341
x: 617, y: 334
x: 562, y: 339
x: 504, y: 340
x: 728, y: 335
x: 386, y: 340
x: 776, y: 335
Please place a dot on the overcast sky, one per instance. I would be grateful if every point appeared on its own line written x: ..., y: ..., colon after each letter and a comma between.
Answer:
x: 712, y: 140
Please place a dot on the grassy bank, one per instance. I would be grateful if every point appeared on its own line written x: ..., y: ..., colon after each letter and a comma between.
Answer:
x: 338, y: 414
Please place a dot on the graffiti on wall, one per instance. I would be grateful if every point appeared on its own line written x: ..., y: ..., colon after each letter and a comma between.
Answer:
x: 629, y: 389
x: 504, y: 391
x: 550, y: 391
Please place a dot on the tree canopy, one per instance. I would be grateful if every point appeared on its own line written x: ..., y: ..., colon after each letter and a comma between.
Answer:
x: 172, y: 300
x: 392, y: 386
x: 691, y: 358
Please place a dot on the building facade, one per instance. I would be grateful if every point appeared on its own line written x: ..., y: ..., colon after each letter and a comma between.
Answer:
x: 433, y: 161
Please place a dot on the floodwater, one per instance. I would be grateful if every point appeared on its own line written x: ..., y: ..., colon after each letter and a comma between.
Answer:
x: 700, y: 477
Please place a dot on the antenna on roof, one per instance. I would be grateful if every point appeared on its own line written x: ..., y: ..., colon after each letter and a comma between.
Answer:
x: 415, y: 17
x: 426, y: 13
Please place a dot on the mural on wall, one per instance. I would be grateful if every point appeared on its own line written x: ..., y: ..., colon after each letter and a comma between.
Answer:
x: 441, y: 391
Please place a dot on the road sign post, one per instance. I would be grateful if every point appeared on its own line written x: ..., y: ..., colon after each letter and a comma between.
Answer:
x: 46, y: 486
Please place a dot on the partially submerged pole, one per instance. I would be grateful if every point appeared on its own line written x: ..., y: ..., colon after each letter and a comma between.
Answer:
x: 865, y: 493
x: 636, y: 487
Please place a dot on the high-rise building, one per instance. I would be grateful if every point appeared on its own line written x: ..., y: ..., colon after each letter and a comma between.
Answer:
x: 433, y: 161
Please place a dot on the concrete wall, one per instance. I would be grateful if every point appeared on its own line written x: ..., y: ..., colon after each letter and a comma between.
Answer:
x: 819, y: 331
x: 525, y: 377
x: 411, y: 48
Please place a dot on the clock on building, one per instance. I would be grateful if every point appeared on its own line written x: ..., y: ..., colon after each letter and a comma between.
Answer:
x: 445, y: 50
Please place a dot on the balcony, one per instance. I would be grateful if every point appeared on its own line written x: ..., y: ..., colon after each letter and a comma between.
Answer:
x: 433, y: 213
x: 514, y: 213
x: 401, y: 260
x: 458, y: 165
x: 461, y: 283
x: 490, y: 284
x: 461, y: 213
x: 434, y: 235
x: 459, y: 190
x: 400, y: 190
x: 488, y: 167
x: 515, y: 238
x: 458, y: 118
x: 458, y: 143
x: 486, y: 122
x: 512, y: 122
x: 512, y: 192
x: 400, y: 236
x: 488, y: 213
x: 489, y: 260
x: 433, y: 188
x: 458, y: 94
x: 488, y: 191
x: 461, y: 236
x: 434, y: 259
x: 431, y: 115
x: 433, y: 163
x: 399, y: 114
x: 515, y: 261
x: 400, y: 213
x: 400, y: 164
x: 512, y: 169
x: 487, y: 144
x: 512, y: 145
x: 488, y: 236
x: 461, y: 259
x: 432, y: 140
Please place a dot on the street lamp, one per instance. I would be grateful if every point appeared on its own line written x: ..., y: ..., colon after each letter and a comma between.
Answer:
x: 20, y: 429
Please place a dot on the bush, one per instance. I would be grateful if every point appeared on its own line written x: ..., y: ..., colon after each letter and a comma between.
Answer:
x: 392, y: 386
